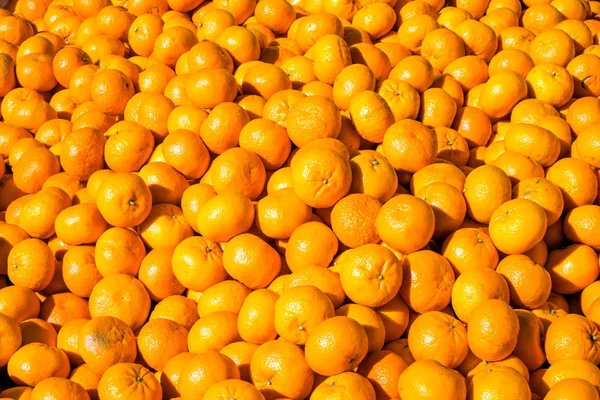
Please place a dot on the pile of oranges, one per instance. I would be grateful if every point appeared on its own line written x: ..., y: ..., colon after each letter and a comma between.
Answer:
x: 303, y: 199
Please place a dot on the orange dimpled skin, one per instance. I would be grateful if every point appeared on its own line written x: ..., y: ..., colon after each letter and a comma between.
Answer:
x: 124, y: 200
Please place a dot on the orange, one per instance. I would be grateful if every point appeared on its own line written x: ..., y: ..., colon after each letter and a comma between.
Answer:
x: 221, y: 129
x: 468, y: 71
x: 576, y: 329
x: 452, y: 146
x: 372, y: 57
x: 79, y: 270
x: 451, y: 16
x: 567, y: 369
x: 35, y: 362
x: 265, y: 80
x: 511, y: 60
x: 371, y: 267
x: 497, y: 380
x: 159, y: 340
x: 186, y: 117
x: 11, y: 235
x: 448, y: 206
x: 353, y: 231
x: 427, y: 282
x: 157, y: 276
x: 585, y: 146
x: 576, y: 180
x: 441, y: 47
x: 203, y: 370
x: 212, y: 22
x: 177, y: 309
x: 437, y: 172
x: 211, y: 86
x: 405, y: 136
x: 31, y: 264
x: 501, y: 93
x: 445, y: 331
x: 213, y: 332
x: 539, y: 18
x: 241, y: 44
x: 238, y: 170
x: 224, y: 216
x: 519, y: 270
x: 34, y: 168
x: 582, y: 113
x: 107, y: 291
x: 18, y: 303
x: 553, y: 46
x: 544, y: 193
x: 320, y: 176
x: 279, y: 105
x: 280, y: 213
x: 197, y: 263
x: 256, y: 319
x: 12, y: 333
x: 517, y: 226
x: 430, y: 376
x: 88, y: 379
x: 414, y: 70
x: 582, y: 70
x: 268, y: 140
x: 165, y: 226
x: 371, y: 115
x: 550, y: 83
x: 474, y: 286
x: 418, y: 226
x: 376, y: 18
x: 578, y: 31
x: 241, y: 354
x: 192, y: 199
x: 128, y: 146
x: 438, y: 108
x: 80, y: 224
x: 493, y: 330
x: 331, y: 357
x: 572, y: 279
x: 450, y: 86
x: 403, y: 99
x: 241, y: 256
x: 59, y: 387
x: 373, y: 175
x: 304, y: 116
x: 573, y: 388
x: 233, y: 387
x: 208, y: 55
x: 223, y: 296
x: 479, y: 186
x: 172, y: 43
x: 469, y: 246
x: 383, y: 370
x: 34, y: 71
x: 279, y: 368
x: 530, y: 347
x: 311, y: 244
x: 131, y: 378
x: 480, y: 39
x: 300, y: 71
x: 299, y: 311
x: 110, y: 91
x: 124, y: 200
x: 119, y: 250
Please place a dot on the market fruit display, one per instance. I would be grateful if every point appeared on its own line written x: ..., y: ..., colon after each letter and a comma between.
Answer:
x: 301, y: 199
